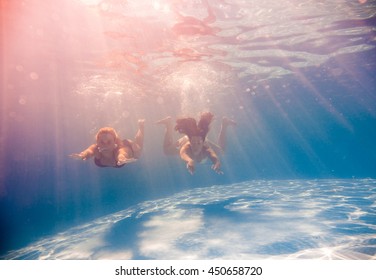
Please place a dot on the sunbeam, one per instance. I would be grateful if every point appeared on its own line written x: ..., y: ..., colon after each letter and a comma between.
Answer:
x: 295, y: 81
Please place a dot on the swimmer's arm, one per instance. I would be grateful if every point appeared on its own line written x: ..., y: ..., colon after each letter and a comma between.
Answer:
x: 184, y: 155
x: 123, y: 157
x: 215, y: 160
x: 86, y: 154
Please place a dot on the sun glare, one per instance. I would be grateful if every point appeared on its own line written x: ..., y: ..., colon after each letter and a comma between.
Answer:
x: 91, y: 2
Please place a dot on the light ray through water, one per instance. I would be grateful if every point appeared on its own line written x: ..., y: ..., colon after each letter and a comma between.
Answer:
x: 296, y: 76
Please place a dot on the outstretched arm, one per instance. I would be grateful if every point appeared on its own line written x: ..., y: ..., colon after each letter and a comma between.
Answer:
x: 86, y: 154
x: 215, y: 160
x: 185, y: 155
x: 123, y: 156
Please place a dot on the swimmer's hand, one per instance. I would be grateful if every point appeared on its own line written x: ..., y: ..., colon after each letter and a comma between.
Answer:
x: 123, y: 160
x: 217, y: 168
x: 80, y: 156
x: 191, y: 166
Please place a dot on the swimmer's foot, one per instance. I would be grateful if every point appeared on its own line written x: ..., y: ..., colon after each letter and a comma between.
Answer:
x: 166, y: 121
x: 227, y: 121
x: 141, y: 123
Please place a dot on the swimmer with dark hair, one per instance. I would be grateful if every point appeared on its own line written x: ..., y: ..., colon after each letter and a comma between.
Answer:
x: 193, y: 147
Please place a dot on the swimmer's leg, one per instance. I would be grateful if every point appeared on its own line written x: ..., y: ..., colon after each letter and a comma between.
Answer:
x: 138, y: 143
x: 223, y: 131
x: 168, y: 142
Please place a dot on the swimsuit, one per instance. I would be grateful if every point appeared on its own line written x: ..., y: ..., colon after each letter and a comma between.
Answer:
x: 98, y: 163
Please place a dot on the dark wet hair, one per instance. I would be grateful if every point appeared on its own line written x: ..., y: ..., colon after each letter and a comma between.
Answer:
x: 189, y: 126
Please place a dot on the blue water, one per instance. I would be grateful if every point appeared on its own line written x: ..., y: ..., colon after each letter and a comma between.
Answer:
x: 258, y: 219
x: 299, y: 79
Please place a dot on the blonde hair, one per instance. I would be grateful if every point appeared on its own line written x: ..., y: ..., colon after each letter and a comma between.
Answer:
x: 108, y: 130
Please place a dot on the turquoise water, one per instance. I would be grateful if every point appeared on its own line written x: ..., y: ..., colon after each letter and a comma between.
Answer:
x: 298, y: 78
x: 273, y: 219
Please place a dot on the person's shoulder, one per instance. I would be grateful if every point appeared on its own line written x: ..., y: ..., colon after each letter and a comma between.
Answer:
x: 94, y: 146
x: 206, y: 146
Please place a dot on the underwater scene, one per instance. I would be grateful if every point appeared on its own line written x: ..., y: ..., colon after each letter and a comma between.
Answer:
x: 287, y: 163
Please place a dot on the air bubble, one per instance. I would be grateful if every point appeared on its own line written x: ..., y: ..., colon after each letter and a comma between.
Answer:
x: 34, y: 76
